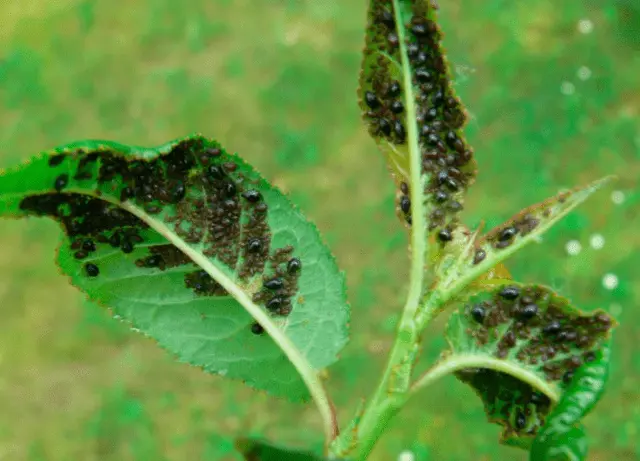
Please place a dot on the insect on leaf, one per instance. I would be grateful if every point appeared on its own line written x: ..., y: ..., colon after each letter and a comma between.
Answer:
x: 182, y: 241
x: 522, y: 229
x: 523, y: 347
x: 560, y: 438
x: 410, y: 108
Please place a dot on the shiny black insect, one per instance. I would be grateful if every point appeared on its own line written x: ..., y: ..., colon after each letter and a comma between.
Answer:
x: 294, y: 265
x: 89, y: 245
x: 510, y: 292
x: 405, y: 204
x: 423, y: 75
x: 257, y: 329
x: 274, y: 284
x: 230, y: 189
x: 397, y: 107
x: 178, y: 192
x: 215, y: 172
x: 371, y: 100
x: 445, y: 235
x: 254, y: 245
x: 56, y: 160
x: 384, y: 126
x: 528, y: 312
x: 552, y: 328
x: 394, y: 89
x: 507, y: 234
x: 252, y: 195
x: 478, y: 313
x: 91, y: 270
x: 275, y: 303
x: 479, y: 256
x: 61, y: 182
x: 126, y: 246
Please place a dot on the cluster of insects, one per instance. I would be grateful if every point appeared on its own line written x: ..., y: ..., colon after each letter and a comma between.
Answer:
x: 521, y: 409
x: 446, y: 158
x: 195, y: 188
x: 531, y: 325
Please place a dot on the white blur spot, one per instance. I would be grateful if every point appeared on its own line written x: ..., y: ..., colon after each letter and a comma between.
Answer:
x: 584, y: 73
x: 537, y: 238
x: 567, y: 88
x: 596, y: 241
x: 617, y: 197
x: 615, y: 309
x: 585, y: 26
x: 610, y: 281
x: 573, y: 247
x: 406, y: 456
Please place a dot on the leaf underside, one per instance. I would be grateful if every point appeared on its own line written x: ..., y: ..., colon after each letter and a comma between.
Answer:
x: 561, y: 438
x: 425, y: 113
x: 221, y: 208
x: 539, y: 337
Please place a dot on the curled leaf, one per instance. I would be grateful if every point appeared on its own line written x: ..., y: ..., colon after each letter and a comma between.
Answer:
x: 520, y: 347
x: 561, y: 439
x: 187, y: 243
x: 411, y: 110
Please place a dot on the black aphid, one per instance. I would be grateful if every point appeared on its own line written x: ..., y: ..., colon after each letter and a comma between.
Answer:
x: 80, y: 254
x: 404, y: 188
x: 254, y: 245
x: 294, y: 265
x: 230, y: 166
x: 127, y: 246
x: 56, y: 160
x: 478, y: 313
x: 398, y: 128
x: 528, y: 312
x: 126, y: 194
x: 371, y: 100
x: 393, y: 40
x: 261, y: 207
x: 445, y: 235
x: 423, y: 75
x: 61, y: 182
x: 213, y: 151
x: 230, y: 189
x: 257, y: 329
x: 274, y: 284
x: 384, y: 126
x: 507, y: 234
x: 153, y: 261
x: 441, y: 196
x: 89, y: 245
x: 397, y: 107
x: 178, y: 192
x: 215, y: 172
x: 91, y: 270
x: 252, y: 195
x: 394, y: 89
x: 275, y: 303
x: 479, y: 256
x: 405, y: 204
x: 510, y: 292
x: 412, y: 50
x: 431, y: 114
x: 114, y: 240
x: 419, y: 29
x: 552, y: 328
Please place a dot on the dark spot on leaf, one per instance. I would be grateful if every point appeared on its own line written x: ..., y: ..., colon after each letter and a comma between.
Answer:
x: 91, y: 270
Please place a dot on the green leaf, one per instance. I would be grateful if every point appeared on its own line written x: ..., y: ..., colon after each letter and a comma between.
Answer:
x: 182, y: 241
x: 506, y: 239
x: 410, y: 108
x: 259, y: 450
x: 520, y: 347
x: 560, y: 439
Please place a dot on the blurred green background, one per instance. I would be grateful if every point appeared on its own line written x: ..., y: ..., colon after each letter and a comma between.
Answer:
x: 554, y: 93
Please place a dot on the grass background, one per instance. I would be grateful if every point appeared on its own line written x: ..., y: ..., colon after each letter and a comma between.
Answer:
x: 275, y: 80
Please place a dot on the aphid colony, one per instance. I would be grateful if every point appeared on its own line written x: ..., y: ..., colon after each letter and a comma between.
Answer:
x: 536, y: 327
x: 509, y: 401
x: 198, y: 191
x: 440, y: 116
x: 502, y: 237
